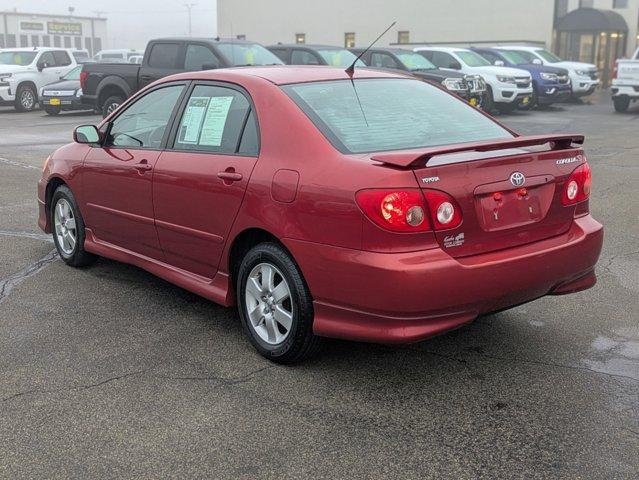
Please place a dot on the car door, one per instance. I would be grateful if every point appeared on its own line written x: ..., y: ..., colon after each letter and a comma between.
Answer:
x: 165, y: 58
x: 49, y: 72
x: 116, y: 178
x: 200, y: 179
x: 63, y: 62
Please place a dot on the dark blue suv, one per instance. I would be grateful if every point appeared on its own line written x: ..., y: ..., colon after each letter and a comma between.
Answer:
x: 550, y: 84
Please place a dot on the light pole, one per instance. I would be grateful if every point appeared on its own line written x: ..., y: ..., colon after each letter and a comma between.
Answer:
x: 189, y: 7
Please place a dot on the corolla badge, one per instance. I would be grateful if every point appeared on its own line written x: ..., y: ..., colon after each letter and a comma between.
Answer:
x: 517, y: 179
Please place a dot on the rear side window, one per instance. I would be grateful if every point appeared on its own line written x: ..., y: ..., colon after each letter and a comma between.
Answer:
x: 213, y: 121
x: 164, y: 55
x: 62, y: 58
x: 303, y: 57
x: 395, y: 114
x: 198, y: 56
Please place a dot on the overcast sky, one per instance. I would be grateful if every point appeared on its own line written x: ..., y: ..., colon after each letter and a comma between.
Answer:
x: 132, y: 22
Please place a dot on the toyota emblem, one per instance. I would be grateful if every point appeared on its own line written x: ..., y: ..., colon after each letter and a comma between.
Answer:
x: 517, y: 179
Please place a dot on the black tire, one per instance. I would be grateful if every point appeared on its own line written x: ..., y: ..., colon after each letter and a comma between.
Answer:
x: 53, y: 111
x: 110, y: 104
x: 300, y: 342
x: 488, y: 103
x: 26, y: 98
x: 621, y: 103
x: 78, y: 257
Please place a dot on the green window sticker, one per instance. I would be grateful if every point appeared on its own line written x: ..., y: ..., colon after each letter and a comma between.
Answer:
x: 217, y: 112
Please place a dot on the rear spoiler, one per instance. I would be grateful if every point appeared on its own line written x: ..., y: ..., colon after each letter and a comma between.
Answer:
x: 421, y: 157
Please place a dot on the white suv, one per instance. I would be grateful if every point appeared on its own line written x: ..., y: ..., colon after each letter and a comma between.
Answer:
x: 583, y: 76
x: 23, y: 71
x: 508, y: 89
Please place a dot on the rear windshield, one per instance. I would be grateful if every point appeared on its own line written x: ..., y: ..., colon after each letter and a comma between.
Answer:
x: 245, y: 54
x: 395, y: 114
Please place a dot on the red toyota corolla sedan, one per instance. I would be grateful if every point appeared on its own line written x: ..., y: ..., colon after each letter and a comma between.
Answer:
x: 378, y: 208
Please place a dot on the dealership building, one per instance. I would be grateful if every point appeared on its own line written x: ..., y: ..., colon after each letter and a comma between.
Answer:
x: 593, y: 31
x: 40, y: 30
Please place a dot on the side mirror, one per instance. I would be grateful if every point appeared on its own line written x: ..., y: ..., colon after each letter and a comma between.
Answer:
x: 86, y: 134
x: 536, y: 61
x: 499, y: 63
x: 40, y: 66
x: 210, y: 66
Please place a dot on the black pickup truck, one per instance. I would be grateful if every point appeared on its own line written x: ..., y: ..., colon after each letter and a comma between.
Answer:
x: 106, y: 85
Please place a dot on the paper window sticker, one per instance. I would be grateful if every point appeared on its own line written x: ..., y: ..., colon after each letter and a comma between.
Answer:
x: 215, y: 121
x: 192, y: 120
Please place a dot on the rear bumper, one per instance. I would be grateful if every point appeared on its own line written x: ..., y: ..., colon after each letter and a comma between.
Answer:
x: 407, y: 297
x: 631, y: 91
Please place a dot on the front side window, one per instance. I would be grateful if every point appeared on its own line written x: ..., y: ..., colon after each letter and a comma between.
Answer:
x: 303, y: 57
x: 515, y: 58
x: 17, y: 58
x: 340, y: 58
x: 245, y: 54
x: 414, y: 61
x: 547, y: 56
x: 198, y: 56
x: 472, y: 59
x: 47, y: 60
x: 62, y: 58
x: 142, y: 124
x: 213, y: 120
x: 395, y: 114
x: 164, y: 55
x: 443, y: 60
x: 383, y: 60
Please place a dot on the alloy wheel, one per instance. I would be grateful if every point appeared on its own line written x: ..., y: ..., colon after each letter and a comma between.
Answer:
x: 27, y: 99
x: 112, y: 107
x: 65, y: 227
x: 269, y: 304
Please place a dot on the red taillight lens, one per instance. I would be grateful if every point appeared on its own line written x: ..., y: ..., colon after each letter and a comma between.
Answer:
x: 83, y: 78
x: 577, y: 187
x: 402, y: 210
x: 444, y: 211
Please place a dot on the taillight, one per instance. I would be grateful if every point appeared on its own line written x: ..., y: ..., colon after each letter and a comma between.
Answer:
x: 577, y: 187
x: 83, y: 78
x: 444, y: 211
x: 404, y: 210
x: 615, y: 71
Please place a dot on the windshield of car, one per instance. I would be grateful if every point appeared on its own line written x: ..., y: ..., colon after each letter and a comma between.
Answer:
x: 395, y: 114
x: 414, y: 61
x: 549, y: 57
x: 73, y: 74
x: 241, y: 54
x: 528, y: 56
x: 473, y: 59
x: 515, y: 58
x: 340, y: 58
x: 17, y: 58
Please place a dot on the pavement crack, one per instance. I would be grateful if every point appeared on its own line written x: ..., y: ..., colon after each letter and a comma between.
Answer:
x: 215, y: 378
x: 72, y: 388
x: 8, y: 283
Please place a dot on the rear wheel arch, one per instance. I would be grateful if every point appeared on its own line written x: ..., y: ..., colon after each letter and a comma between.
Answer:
x: 112, y: 90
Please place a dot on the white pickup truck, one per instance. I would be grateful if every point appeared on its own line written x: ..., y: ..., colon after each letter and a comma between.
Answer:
x: 625, y: 83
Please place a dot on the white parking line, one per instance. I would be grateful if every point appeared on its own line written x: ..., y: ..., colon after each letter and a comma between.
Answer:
x: 18, y: 164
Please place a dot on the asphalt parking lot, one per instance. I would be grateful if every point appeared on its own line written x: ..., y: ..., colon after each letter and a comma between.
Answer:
x: 110, y: 372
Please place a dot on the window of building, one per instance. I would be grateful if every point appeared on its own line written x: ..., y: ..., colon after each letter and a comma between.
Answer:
x: 67, y: 42
x: 35, y: 41
x: 11, y: 40
x: 46, y: 41
x: 561, y: 8
x: 2, y: 40
x: 164, y: 55
x: 24, y: 40
x: 403, y: 37
x: 586, y: 3
x: 349, y: 40
x: 77, y: 41
x: 300, y: 38
x: 57, y: 41
x: 88, y: 46
x: 241, y: 37
x: 620, y: 4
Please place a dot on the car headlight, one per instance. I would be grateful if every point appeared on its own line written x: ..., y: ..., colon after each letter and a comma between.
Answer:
x: 78, y: 93
x: 548, y: 76
x: 454, y: 84
x: 582, y: 73
x: 506, y: 79
x: 4, y: 79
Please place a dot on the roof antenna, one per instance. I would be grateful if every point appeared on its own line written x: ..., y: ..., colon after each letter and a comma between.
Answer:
x: 351, y: 70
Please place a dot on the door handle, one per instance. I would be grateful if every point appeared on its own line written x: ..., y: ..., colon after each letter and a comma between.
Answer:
x: 229, y: 176
x: 143, y: 166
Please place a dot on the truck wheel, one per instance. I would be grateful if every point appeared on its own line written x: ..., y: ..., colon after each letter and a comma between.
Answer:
x: 111, y: 104
x: 488, y: 103
x: 621, y: 103
x: 275, y: 305
x: 26, y: 98
x: 52, y: 110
